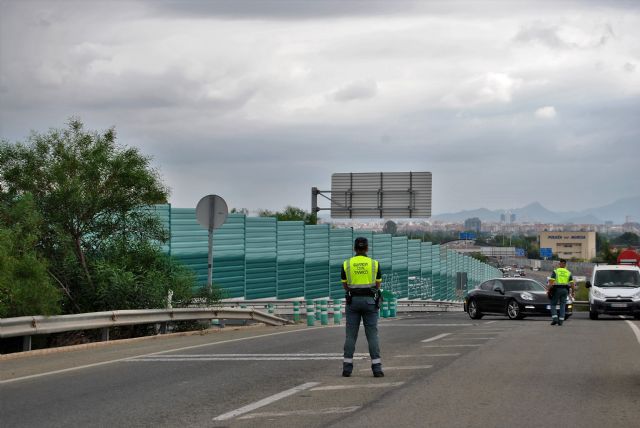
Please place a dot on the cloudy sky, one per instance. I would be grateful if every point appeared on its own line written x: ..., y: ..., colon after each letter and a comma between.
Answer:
x: 506, y: 103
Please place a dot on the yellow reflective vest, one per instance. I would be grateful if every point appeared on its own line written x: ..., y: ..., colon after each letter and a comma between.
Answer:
x: 562, y: 276
x: 361, y: 272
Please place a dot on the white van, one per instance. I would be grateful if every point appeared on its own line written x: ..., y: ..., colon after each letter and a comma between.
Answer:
x: 614, y: 290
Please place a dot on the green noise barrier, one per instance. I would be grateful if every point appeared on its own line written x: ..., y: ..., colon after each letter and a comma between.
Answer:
x: 262, y: 258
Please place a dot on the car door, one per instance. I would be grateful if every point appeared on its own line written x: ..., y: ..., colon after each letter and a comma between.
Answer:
x: 485, y: 295
x: 498, y: 299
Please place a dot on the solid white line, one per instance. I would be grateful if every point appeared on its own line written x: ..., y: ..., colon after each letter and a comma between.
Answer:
x: 479, y: 332
x: 170, y: 359
x: 440, y: 336
x: 330, y: 410
x: 425, y: 355
x: 430, y: 325
x: 332, y: 354
x: 102, y: 363
x: 635, y: 329
x: 401, y: 368
x: 470, y: 338
x: 368, y: 385
x: 448, y: 346
x: 265, y: 401
x: 490, y: 322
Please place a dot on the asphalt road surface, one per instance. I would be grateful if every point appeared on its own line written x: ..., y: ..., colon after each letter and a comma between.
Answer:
x: 441, y: 370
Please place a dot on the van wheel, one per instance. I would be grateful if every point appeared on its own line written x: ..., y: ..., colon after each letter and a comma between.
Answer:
x: 593, y: 315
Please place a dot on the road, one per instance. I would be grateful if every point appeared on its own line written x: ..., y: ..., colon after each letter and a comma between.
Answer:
x: 442, y: 369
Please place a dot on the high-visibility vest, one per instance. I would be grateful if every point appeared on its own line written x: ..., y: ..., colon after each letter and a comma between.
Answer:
x: 562, y: 276
x: 361, y: 272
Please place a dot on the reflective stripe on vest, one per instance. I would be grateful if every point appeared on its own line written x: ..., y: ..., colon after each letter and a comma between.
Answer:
x: 361, y: 272
x: 562, y: 276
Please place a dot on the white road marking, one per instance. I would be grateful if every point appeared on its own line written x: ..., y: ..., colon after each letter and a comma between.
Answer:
x: 265, y: 401
x: 635, y: 329
x: 430, y: 325
x: 448, y: 346
x: 426, y: 355
x: 367, y: 385
x: 171, y: 359
x: 297, y: 354
x: 479, y: 332
x: 401, y: 368
x: 490, y: 322
x: 470, y: 338
x: 330, y: 410
x: 117, y: 360
x: 440, y: 336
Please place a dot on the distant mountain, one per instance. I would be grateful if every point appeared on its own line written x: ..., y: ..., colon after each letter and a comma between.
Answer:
x: 535, y: 212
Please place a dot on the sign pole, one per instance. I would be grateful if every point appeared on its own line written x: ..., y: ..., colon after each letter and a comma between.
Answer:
x: 212, y: 206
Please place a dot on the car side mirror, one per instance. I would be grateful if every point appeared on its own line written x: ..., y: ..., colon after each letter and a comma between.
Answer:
x: 587, y: 284
x: 499, y: 289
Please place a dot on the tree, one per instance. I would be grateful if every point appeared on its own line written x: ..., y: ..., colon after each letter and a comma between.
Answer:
x: 92, y: 196
x: 25, y: 285
x: 291, y: 213
x: 628, y: 239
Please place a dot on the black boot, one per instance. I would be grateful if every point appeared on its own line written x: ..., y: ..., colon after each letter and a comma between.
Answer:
x: 347, y: 368
x: 377, y: 370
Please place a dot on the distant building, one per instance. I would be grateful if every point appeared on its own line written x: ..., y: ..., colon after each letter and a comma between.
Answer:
x: 472, y: 224
x: 570, y: 245
x: 503, y: 218
x: 512, y: 218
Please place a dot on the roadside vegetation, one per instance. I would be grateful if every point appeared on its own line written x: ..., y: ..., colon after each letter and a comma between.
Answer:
x: 76, y: 234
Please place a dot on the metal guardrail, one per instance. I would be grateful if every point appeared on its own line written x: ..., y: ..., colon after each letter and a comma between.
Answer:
x: 238, y: 310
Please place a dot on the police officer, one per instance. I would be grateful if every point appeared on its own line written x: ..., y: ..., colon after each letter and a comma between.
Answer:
x: 561, y: 283
x: 361, y: 278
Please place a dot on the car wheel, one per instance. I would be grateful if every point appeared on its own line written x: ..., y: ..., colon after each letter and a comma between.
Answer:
x: 473, y: 311
x: 513, y: 310
x: 593, y: 315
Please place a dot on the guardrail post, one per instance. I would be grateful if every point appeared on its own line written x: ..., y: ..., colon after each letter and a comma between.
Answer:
x: 337, y: 311
x: 270, y: 308
x: 296, y: 311
x: 393, y: 307
x: 26, y: 343
x: 311, y: 319
x: 324, y: 316
x: 104, y: 336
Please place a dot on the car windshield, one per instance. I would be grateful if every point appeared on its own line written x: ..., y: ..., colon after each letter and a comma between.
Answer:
x: 523, y: 286
x: 617, y: 278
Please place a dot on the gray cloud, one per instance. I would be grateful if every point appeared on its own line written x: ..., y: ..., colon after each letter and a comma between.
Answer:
x: 356, y: 91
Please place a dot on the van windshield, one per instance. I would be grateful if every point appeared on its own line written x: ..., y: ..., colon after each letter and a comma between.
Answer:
x: 617, y: 278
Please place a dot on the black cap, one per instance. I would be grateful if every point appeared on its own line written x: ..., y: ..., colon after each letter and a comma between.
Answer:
x: 361, y: 243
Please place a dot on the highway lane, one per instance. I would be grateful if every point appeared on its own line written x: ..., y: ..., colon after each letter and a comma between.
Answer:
x: 442, y: 369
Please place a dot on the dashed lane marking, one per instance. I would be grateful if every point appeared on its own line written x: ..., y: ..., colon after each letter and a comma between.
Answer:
x: 311, y: 412
x: 469, y: 338
x: 265, y: 401
x: 440, y: 336
x: 244, y: 357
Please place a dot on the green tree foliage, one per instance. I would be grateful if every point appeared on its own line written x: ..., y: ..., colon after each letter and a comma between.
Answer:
x: 25, y: 286
x: 102, y: 245
x: 291, y: 213
x: 628, y: 239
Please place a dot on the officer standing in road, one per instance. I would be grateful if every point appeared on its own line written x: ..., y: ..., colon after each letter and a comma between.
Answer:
x: 561, y: 283
x: 361, y: 278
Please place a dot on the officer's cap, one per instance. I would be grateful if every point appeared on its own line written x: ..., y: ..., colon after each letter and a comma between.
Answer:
x: 361, y: 243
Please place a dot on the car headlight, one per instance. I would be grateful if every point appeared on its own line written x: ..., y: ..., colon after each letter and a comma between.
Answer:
x: 597, y: 294
x: 526, y: 296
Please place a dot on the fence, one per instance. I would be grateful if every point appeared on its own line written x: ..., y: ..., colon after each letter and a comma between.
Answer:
x: 260, y: 257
